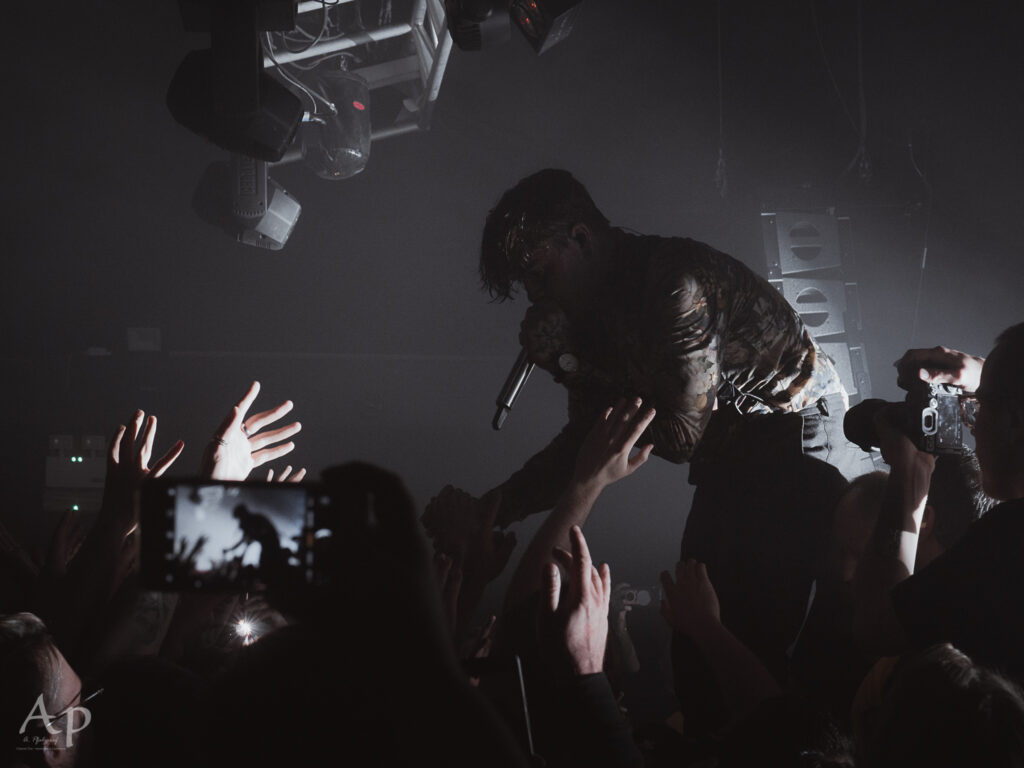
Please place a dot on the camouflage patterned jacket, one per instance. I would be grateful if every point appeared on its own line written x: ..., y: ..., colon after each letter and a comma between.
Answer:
x: 681, y: 325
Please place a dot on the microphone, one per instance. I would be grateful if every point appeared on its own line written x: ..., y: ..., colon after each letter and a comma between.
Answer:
x: 521, y: 370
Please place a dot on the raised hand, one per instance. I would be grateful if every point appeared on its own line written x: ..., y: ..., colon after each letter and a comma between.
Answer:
x: 462, y: 527
x: 238, y: 446
x: 128, y: 466
x: 579, y: 610
x: 690, y: 602
x: 604, y: 456
x: 940, y: 365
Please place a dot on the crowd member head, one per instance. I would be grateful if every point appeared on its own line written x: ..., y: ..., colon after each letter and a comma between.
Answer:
x: 36, y: 677
x: 999, y: 422
x: 943, y: 709
x: 540, y: 235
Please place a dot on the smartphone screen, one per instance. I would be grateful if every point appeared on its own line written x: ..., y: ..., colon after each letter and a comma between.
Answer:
x: 212, y: 536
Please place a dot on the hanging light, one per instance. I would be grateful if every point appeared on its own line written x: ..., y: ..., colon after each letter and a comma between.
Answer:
x: 337, y: 139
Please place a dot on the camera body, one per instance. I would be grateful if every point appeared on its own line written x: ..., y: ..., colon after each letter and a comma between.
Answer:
x: 934, y: 422
x: 930, y: 417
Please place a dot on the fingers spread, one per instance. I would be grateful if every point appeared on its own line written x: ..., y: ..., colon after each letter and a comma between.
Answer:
x: 128, y: 440
x: 146, y: 450
x: 640, y: 422
x: 114, y: 453
x: 248, y: 399
x: 260, y: 420
x: 276, y: 435
x: 165, y: 461
x: 269, y: 454
x: 641, y: 457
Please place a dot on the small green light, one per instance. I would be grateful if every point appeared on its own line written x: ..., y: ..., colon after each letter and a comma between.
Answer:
x: 74, y: 507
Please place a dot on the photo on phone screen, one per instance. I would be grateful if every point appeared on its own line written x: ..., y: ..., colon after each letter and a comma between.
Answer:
x: 222, y: 535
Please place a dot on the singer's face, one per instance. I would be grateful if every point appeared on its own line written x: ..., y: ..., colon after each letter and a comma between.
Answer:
x: 556, y: 271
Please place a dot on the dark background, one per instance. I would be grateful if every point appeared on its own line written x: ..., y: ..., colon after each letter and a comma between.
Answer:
x: 371, y: 319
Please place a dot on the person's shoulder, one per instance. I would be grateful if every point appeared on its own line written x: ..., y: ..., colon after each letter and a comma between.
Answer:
x: 1000, y: 528
x: 1007, y: 517
x: 670, y: 262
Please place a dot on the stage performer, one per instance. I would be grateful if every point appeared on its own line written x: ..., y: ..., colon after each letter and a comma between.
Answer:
x: 741, y: 390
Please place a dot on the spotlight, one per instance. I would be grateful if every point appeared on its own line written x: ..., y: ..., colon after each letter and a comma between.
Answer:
x: 337, y: 144
x: 476, y: 24
x: 265, y: 211
x: 240, y: 199
x: 223, y: 93
x: 545, y: 22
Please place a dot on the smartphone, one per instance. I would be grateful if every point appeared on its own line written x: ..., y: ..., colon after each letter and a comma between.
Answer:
x: 209, y: 536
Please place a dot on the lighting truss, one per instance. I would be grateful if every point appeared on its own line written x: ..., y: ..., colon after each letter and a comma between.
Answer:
x: 414, y: 60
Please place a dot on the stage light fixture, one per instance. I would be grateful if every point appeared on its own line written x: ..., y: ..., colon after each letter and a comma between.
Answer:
x: 222, y: 92
x: 336, y: 144
x: 545, y: 22
x: 476, y: 24
x: 264, y: 210
x: 241, y: 199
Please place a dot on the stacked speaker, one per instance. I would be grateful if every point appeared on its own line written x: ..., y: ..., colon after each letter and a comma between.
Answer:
x: 805, y: 252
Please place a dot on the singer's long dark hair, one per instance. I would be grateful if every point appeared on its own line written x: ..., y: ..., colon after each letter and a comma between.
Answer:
x: 544, y: 204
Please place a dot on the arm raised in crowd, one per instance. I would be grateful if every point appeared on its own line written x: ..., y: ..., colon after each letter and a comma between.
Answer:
x: 74, y: 595
x: 892, y: 550
x: 238, y: 446
x: 574, y: 622
x: 603, y: 459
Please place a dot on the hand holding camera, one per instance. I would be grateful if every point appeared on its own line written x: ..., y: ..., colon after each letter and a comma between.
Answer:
x: 939, y: 365
x: 936, y: 408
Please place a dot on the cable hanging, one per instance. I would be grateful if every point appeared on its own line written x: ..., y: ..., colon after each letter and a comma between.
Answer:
x: 721, y: 176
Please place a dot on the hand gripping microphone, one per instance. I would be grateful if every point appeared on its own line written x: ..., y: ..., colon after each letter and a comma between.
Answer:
x: 517, y: 377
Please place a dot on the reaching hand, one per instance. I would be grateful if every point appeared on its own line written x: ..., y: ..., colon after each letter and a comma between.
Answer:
x: 238, y: 447
x: 579, y: 612
x: 462, y: 527
x: 690, y: 602
x: 128, y: 466
x: 940, y: 365
x: 604, y: 456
